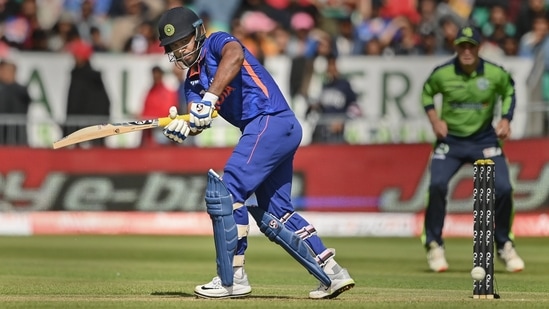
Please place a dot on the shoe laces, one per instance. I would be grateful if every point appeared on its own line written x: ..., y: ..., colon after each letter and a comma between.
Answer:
x: 322, y: 287
x: 216, y: 283
x: 508, y: 252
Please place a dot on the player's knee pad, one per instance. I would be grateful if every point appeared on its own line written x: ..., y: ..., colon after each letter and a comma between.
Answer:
x: 219, y: 205
x: 291, y: 242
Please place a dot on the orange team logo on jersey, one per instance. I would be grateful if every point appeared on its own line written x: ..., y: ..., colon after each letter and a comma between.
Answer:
x: 226, y: 92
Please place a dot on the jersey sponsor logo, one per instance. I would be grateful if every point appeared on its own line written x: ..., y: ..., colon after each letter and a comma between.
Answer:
x: 483, y: 83
x: 468, y: 105
x: 226, y: 92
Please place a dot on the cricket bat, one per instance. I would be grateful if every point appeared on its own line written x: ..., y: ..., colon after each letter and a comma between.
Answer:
x: 109, y: 129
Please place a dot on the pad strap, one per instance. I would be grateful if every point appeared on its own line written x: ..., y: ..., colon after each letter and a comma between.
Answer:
x: 304, y: 232
x: 324, y: 257
x: 243, y: 230
x: 238, y: 260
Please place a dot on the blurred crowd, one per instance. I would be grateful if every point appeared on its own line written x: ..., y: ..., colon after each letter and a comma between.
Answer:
x: 273, y: 27
x: 302, y: 30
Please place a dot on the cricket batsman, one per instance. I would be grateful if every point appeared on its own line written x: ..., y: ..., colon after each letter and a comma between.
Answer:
x: 223, y: 75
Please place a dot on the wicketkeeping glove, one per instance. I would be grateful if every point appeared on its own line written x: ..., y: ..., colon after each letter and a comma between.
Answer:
x: 200, y: 115
x: 178, y: 129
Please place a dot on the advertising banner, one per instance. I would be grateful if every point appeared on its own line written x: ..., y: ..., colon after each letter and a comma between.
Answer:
x: 375, y: 178
x: 376, y: 190
x: 388, y: 93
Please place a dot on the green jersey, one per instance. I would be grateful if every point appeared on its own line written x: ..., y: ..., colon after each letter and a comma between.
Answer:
x: 468, y: 101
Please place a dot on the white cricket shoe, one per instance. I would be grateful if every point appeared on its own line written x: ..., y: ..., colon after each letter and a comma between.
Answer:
x: 341, y: 281
x: 215, y: 289
x: 509, y: 256
x: 435, y: 258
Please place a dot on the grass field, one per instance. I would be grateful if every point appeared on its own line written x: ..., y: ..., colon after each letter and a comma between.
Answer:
x: 161, y: 272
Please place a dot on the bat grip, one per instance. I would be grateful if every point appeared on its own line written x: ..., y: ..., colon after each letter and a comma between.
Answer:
x: 164, y: 121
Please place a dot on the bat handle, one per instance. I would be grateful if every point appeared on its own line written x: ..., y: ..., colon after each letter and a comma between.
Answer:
x: 164, y: 121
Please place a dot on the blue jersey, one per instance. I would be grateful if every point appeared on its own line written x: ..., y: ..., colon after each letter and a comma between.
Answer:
x: 251, y: 93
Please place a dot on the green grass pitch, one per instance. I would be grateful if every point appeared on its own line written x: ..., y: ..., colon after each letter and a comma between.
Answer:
x: 161, y: 272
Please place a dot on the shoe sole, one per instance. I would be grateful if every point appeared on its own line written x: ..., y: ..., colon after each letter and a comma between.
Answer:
x: 440, y: 270
x: 198, y: 295
x: 337, y: 292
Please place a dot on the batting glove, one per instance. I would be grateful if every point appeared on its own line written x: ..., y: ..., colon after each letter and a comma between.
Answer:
x: 178, y: 129
x: 200, y: 116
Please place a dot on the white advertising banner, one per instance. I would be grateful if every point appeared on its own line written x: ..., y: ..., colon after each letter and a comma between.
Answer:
x: 389, y: 94
x: 328, y: 224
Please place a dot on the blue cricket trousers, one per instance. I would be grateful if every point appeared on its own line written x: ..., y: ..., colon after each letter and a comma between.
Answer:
x: 262, y: 163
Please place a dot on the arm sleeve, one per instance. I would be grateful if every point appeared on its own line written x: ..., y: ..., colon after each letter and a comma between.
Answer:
x: 508, y: 98
x: 430, y: 89
x: 218, y: 41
